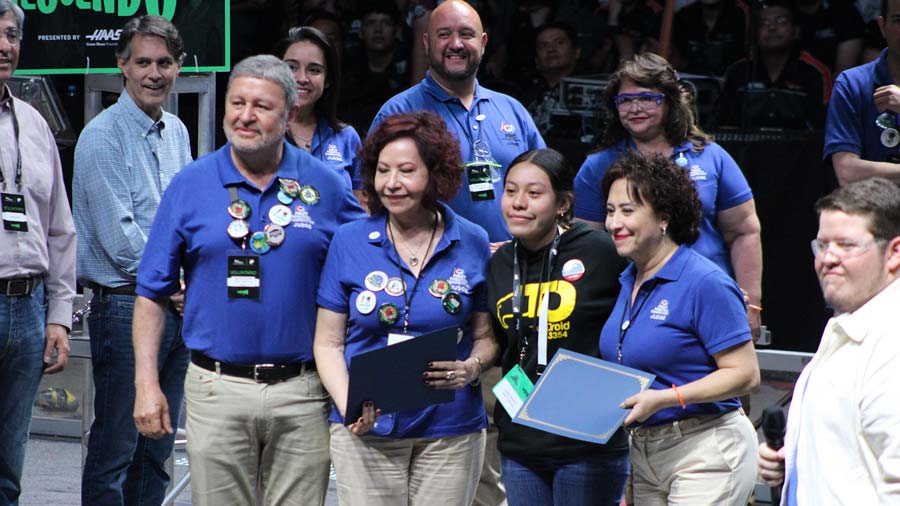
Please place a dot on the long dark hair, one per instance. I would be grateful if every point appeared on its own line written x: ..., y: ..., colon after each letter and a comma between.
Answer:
x: 326, y: 106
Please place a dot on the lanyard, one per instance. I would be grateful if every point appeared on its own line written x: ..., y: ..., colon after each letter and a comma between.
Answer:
x: 409, y: 294
x: 464, y: 127
x: 626, y: 324
x: 15, y: 123
x: 544, y: 304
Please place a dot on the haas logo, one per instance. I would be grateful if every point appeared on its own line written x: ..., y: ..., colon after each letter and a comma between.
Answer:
x: 101, y: 35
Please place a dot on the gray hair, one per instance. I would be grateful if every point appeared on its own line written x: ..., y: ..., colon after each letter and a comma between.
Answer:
x: 156, y: 26
x: 6, y: 6
x: 270, y: 68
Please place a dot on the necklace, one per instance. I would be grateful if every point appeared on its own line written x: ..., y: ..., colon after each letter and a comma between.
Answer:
x: 301, y: 141
x: 413, y: 258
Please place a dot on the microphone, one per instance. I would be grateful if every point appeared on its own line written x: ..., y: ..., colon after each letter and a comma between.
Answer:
x: 773, y: 427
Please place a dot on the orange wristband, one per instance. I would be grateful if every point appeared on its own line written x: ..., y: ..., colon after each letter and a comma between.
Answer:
x: 755, y: 307
x: 678, y: 395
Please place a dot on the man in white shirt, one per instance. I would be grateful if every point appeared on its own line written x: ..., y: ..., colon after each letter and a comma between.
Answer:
x: 843, y: 437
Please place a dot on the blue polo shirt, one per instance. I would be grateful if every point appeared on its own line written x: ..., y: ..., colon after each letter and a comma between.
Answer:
x: 719, y: 181
x: 189, y: 232
x: 850, y: 125
x: 506, y: 127
x: 682, y: 316
x: 338, y: 150
x: 362, y: 248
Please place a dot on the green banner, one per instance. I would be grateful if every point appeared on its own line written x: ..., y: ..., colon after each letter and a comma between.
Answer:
x: 80, y: 36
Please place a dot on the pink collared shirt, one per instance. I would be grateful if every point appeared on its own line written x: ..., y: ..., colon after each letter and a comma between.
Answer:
x: 48, y: 247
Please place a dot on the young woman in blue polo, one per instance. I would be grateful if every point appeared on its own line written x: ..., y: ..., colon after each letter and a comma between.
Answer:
x: 413, y: 267
x: 681, y: 318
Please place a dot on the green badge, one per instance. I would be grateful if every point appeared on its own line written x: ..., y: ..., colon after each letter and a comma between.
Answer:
x: 290, y: 187
x: 452, y: 303
x: 309, y: 195
x: 388, y: 313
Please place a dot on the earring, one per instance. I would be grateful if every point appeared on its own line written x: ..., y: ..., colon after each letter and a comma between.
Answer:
x: 663, y: 228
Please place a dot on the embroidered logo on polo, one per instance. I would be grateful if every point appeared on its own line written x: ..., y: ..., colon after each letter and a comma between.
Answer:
x: 333, y: 154
x: 507, y: 128
x: 661, y: 311
x: 562, y: 302
x: 458, y: 281
x: 301, y: 217
x: 510, y: 137
x: 697, y: 174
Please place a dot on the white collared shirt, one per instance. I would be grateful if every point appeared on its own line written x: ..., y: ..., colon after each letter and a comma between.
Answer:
x: 845, y: 424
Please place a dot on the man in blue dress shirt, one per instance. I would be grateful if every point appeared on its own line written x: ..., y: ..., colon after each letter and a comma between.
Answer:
x: 492, y: 128
x: 249, y: 225
x: 124, y: 160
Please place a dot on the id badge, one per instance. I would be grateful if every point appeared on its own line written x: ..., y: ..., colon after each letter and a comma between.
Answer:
x: 243, y: 277
x: 481, y: 185
x: 14, y: 219
x: 513, y: 389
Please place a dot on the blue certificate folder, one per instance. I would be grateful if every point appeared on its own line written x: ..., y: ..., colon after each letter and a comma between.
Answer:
x: 578, y: 396
x: 391, y: 377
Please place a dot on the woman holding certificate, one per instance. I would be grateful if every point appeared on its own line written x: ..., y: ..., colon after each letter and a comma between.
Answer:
x: 413, y: 267
x: 575, y: 267
x: 683, y: 319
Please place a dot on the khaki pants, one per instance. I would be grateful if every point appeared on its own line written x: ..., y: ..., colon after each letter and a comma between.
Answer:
x: 242, y: 434
x: 709, y: 463
x: 379, y: 471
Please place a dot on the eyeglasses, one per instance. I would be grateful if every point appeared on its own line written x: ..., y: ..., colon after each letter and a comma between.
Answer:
x: 842, y: 248
x: 775, y: 21
x: 12, y: 36
x: 644, y: 101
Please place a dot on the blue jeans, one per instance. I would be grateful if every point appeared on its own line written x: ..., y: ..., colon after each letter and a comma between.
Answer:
x: 547, y: 481
x: 22, y: 338
x: 122, y: 467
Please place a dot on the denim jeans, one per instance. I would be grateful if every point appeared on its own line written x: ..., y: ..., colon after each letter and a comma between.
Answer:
x: 122, y: 467
x: 582, y: 481
x: 22, y: 338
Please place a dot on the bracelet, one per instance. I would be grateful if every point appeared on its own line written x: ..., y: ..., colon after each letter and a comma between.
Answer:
x: 755, y: 307
x: 477, y: 380
x: 678, y: 395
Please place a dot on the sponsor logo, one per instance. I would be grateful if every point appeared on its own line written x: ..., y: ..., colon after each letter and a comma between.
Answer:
x: 661, y: 311
x: 697, y: 174
x: 104, y: 35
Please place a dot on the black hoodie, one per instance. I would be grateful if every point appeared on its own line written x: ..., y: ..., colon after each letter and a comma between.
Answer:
x: 586, y: 261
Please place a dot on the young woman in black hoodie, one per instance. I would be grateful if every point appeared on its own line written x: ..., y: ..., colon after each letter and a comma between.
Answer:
x: 578, y: 268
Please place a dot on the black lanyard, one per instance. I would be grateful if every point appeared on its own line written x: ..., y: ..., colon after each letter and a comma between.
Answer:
x: 624, y: 324
x: 517, y: 290
x: 407, y: 294
x: 465, y: 130
x: 15, y: 123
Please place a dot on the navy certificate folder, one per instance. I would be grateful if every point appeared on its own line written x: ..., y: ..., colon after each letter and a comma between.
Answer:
x: 391, y: 377
x: 578, y: 396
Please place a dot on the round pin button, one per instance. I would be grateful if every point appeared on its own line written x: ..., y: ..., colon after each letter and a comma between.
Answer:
x: 439, y: 288
x: 890, y: 138
x: 239, y: 209
x: 395, y: 287
x: 374, y: 235
x: 274, y: 234
x: 238, y: 229
x: 259, y: 244
x: 309, y: 195
x: 451, y: 302
x: 376, y: 281
x: 284, y: 198
x: 365, y: 302
x: 289, y: 186
x: 280, y: 215
x: 388, y: 314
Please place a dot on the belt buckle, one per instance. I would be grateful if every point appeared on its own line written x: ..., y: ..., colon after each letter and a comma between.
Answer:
x: 262, y: 368
x: 18, y: 287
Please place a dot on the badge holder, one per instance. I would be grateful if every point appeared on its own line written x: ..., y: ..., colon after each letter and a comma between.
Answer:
x: 14, y: 218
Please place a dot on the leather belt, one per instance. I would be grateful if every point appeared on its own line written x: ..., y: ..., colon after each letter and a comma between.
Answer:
x: 260, y: 373
x: 685, y: 426
x: 18, y: 287
x: 119, y: 290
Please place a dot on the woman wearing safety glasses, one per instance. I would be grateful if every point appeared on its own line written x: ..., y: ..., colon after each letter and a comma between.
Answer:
x: 651, y: 112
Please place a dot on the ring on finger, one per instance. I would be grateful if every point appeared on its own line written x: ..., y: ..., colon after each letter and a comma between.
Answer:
x: 451, y: 376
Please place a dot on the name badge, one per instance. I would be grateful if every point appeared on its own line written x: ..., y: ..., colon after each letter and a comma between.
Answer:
x: 14, y: 219
x: 243, y: 277
x: 481, y: 185
x: 513, y: 389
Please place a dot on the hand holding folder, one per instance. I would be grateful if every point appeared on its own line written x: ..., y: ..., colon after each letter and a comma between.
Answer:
x: 580, y: 397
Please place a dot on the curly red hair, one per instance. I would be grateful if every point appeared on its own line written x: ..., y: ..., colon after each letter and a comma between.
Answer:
x: 437, y: 147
